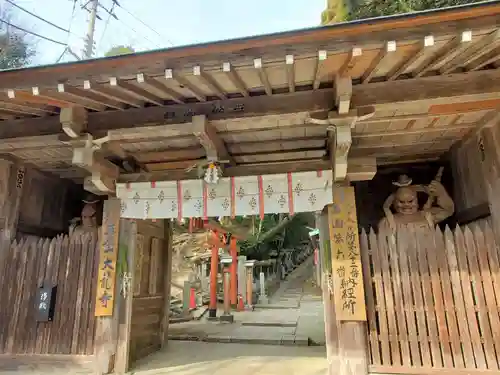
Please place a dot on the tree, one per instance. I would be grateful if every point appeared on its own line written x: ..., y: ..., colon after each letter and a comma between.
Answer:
x: 16, y: 50
x: 377, y: 8
x: 119, y: 50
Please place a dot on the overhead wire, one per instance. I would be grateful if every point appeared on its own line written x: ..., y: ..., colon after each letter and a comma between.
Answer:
x: 110, y: 14
x: 32, y: 33
x: 40, y: 18
x: 141, y: 21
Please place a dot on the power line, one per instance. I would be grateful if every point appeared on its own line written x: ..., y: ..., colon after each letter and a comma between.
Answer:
x: 38, y: 17
x: 141, y: 21
x: 137, y: 33
x: 32, y: 33
x: 110, y: 14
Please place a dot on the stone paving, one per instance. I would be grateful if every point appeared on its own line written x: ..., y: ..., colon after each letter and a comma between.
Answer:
x: 201, y: 358
x: 294, y: 316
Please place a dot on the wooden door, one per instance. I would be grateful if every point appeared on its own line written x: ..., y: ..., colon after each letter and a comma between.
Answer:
x: 151, y: 289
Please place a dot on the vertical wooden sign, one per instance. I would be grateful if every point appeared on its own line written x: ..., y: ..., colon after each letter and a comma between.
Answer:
x: 108, y: 256
x: 347, y: 277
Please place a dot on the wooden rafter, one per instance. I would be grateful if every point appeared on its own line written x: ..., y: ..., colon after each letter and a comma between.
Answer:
x: 235, y: 78
x: 67, y: 99
x: 372, y: 69
x: 170, y: 75
x: 264, y: 79
x: 208, y: 81
x: 112, y: 94
x: 319, y: 69
x: 290, y: 72
x: 428, y: 42
x: 212, y: 143
x: 451, y: 49
x: 21, y: 109
x: 484, y: 60
x: 352, y: 58
x: 398, y: 91
x: 474, y: 52
x: 134, y: 90
x: 145, y: 80
x: 98, y: 100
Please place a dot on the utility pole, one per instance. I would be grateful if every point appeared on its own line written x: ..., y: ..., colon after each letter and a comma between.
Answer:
x: 89, y: 45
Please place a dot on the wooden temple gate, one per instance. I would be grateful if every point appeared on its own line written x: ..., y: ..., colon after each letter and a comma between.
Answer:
x: 433, y: 299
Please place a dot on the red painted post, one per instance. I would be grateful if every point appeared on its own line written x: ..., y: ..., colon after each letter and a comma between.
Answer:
x: 214, y: 268
x: 234, y: 273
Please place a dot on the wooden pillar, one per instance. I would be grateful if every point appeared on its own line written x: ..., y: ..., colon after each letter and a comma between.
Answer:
x: 127, y: 241
x: 167, y: 279
x: 214, y: 269
x: 11, y: 188
x: 108, y: 284
x: 234, y: 272
x: 347, y: 283
x: 331, y: 332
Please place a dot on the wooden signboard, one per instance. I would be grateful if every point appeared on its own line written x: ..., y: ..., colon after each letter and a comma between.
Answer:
x: 347, y: 274
x: 108, y: 255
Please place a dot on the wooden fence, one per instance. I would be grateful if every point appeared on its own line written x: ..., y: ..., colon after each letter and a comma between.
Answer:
x: 433, y: 299
x: 31, y: 263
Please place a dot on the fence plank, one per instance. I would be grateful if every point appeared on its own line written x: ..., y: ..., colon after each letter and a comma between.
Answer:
x: 460, y: 307
x: 480, y: 288
x: 369, y: 297
x: 405, y: 240
x: 29, y: 292
x: 10, y: 259
x: 18, y: 293
x: 92, y: 321
x: 470, y: 308
x: 493, y: 261
x: 449, y: 305
x: 439, y: 306
x: 389, y: 298
x: 425, y: 246
x: 399, y: 302
x: 86, y: 314
x: 380, y: 300
x: 40, y: 329
x: 416, y: 284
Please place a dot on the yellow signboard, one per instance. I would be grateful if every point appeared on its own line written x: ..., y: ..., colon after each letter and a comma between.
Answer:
x: 347, y: 277
x: 108, y: 255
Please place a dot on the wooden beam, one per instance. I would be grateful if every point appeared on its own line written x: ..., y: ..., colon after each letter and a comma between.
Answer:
x: 209, y: 139
x: 359, y: 169
x: 394, y: 133
x: 319, y: 69
x: 257, y: 63
x: 208, y: 81
x: 490, y: 119
x: 135, y: 91
x: 372, y: 69
x: 343, y: 141
x: 36, y: 99
x: 451, y: 49
x: 290, y: 72
x: 235, y: 78
x: 399, y: 91
x: 112, y: 94
x: 170, y: 155
x: 74, y: 121
x: 86, y: 95
x: 475, y: 51
x: 173, y: 165
x: 103, y: 172
x: 68, y: 100
x: 353, y: 57
x: 428, y: 42
x: 169, y: 75
x: 484, y: 60
x: 343, y: 94
x: 143, y: 79
x: 21, y: 109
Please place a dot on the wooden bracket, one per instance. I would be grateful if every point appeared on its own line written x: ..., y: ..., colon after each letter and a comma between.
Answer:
x: 210, y: 140
x: 340, y: 140
x: 104, y: 173
x: 343, y: 93
x: 73, y: 120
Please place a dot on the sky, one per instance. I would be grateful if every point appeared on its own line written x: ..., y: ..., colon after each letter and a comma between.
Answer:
x: 169, y: 22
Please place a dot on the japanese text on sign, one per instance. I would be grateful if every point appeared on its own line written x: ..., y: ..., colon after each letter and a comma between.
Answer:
x: 346, y: 258
x: 108, y: 254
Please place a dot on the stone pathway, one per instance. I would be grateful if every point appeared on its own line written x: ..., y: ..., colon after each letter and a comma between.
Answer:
x: 201, y: 358
x: 294, y: 316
